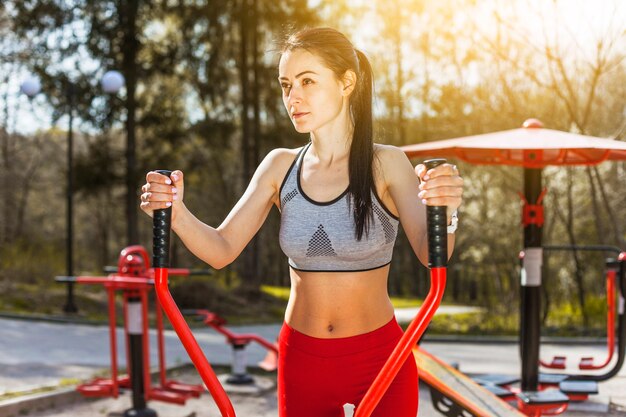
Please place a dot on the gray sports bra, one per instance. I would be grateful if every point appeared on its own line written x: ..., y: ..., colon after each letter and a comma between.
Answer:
x: 320, y: 236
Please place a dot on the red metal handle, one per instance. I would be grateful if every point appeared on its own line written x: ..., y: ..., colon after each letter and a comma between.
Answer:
x: 191, y: 345
x: 161, y: 261
x: 404, y: 347
x: 437, y: 261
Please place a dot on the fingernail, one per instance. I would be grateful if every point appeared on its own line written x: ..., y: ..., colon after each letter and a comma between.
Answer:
x: 174, y: 190
x: 174, y: 197
x: 421, y: 194
x: 168, y: 204
x: 175, y: 177
x: 168, y: 181
x: 424, y: 201
x: 426, y: 177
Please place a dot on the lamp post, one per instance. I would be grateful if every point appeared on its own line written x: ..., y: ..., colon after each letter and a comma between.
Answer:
x: 111, y: 82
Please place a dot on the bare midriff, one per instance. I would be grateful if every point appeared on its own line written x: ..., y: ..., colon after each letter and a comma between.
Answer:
x: 338, y: 304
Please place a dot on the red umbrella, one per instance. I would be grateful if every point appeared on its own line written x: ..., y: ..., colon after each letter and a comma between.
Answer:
x: 533, y: 148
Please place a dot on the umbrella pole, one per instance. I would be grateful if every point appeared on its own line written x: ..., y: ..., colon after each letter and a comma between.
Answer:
x: 530, y: 286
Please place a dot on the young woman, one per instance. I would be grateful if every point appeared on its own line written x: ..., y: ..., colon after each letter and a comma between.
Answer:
x: 341, y: 199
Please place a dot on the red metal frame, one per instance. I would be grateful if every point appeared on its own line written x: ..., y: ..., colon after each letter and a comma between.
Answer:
x: 404, y: 347
x: 189, y: 342
x: 586, y: 363
x: 135, y: 286
x: 216, y: 322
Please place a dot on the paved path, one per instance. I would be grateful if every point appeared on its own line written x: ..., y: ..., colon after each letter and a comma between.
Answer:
x: 36, y: 353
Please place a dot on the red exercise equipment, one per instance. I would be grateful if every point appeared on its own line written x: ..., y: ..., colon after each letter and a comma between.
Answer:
x: 239, y: 342
x: 134, y: 280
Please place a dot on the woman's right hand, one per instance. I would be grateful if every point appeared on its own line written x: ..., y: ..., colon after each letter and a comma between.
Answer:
x: 161, y: 192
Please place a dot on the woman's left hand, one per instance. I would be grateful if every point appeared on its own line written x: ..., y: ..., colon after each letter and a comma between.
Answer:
x: 440, y: 186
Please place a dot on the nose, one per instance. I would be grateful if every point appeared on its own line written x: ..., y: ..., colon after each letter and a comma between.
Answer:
x: 295, y: 96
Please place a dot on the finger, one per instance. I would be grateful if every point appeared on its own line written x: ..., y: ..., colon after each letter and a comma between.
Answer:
x: 442, y: 181
x: 159, y: 197
x: 439, y: 192
x: 420, y: 171
x: 159, y: 188
x: 155, y: 205
x: 441, y: 170
x: 178, y: 179
x: 154, y: 176
x: 450, y: 202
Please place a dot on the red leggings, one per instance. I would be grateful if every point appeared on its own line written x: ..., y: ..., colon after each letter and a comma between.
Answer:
x: 316, y: 377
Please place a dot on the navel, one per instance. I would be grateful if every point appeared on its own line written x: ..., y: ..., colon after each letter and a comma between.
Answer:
x: 330, y: 328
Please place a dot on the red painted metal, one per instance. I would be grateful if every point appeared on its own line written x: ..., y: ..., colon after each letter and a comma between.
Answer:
x: 404, y: 347
x: 587, y: 362
x: 135, y: 286
x: 191, y: 345
x: 217, y: 323
x: 536, y: 410
x: 533, y: 213
x: 113, y: 342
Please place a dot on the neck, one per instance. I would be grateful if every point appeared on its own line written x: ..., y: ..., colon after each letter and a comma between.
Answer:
x: 332, y: 143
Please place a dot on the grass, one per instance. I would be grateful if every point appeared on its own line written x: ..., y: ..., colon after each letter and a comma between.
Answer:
x: 234, y: 304
x: 64, y: 382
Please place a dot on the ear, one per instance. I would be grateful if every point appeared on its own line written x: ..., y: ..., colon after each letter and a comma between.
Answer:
x: 349, y: 82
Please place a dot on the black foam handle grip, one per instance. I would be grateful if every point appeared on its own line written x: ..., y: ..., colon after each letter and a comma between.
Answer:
x: 437, y: 227
x: 161, y: 225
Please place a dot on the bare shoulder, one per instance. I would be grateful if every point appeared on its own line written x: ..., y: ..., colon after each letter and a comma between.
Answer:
x: 276, y: 164
x: 280, y: 159
x: 390, y: 161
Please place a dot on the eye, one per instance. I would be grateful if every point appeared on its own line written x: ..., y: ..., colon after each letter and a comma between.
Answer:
x: 307, y: 81
x: 285, y: 86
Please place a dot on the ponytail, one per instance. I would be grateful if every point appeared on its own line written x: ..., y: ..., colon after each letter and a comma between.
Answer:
x: 362, y: 148
x: 340, y: 56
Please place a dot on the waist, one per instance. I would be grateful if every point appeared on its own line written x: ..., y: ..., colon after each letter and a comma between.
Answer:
x: 333, y: 305
x: 388, y: 333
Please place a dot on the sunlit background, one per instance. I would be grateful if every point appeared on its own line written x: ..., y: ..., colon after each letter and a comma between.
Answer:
x: 202, y: 79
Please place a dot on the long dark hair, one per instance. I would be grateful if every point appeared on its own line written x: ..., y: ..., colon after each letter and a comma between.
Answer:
x: 338, y: 53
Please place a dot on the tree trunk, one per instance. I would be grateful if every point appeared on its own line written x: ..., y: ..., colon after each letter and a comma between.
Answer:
x: 128, y: 20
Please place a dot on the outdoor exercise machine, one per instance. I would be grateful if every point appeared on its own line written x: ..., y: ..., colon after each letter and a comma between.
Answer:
x: 615, y: 287
x: 238, y: 341
x: 438, y: 256
x: 531, y: 404
x: 454, y: 394
x: 134, y: 278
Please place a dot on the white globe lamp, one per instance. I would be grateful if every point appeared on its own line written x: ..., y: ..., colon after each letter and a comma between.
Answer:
x: 31, y: 87
x: 112, y: 81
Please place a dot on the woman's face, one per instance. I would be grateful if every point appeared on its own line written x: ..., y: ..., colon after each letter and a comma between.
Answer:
x: 312, y: 93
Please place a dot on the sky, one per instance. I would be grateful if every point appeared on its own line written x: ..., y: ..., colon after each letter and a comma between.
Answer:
x: 580, y: 22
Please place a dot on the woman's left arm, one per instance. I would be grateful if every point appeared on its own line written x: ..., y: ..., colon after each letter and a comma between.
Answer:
x: 412, y: 189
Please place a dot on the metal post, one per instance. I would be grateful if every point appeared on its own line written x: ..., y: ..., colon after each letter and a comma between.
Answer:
x: 240, y: 374
x: 530, y: 288
x: 134, y: 321
x: 70, y: 307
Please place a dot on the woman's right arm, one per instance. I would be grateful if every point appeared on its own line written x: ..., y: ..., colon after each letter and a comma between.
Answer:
x: 220, y: 246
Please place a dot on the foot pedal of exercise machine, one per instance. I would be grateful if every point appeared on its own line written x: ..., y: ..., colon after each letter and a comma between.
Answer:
x: 502, y: 393
x: 495, y: 379
x: 550, y: 402
x: 578, y: 390
x: 586, y: 363
x: 551, y: 380
x: 558, y: 362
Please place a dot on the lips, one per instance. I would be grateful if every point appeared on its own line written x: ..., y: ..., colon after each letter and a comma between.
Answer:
x: 298, y: 115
